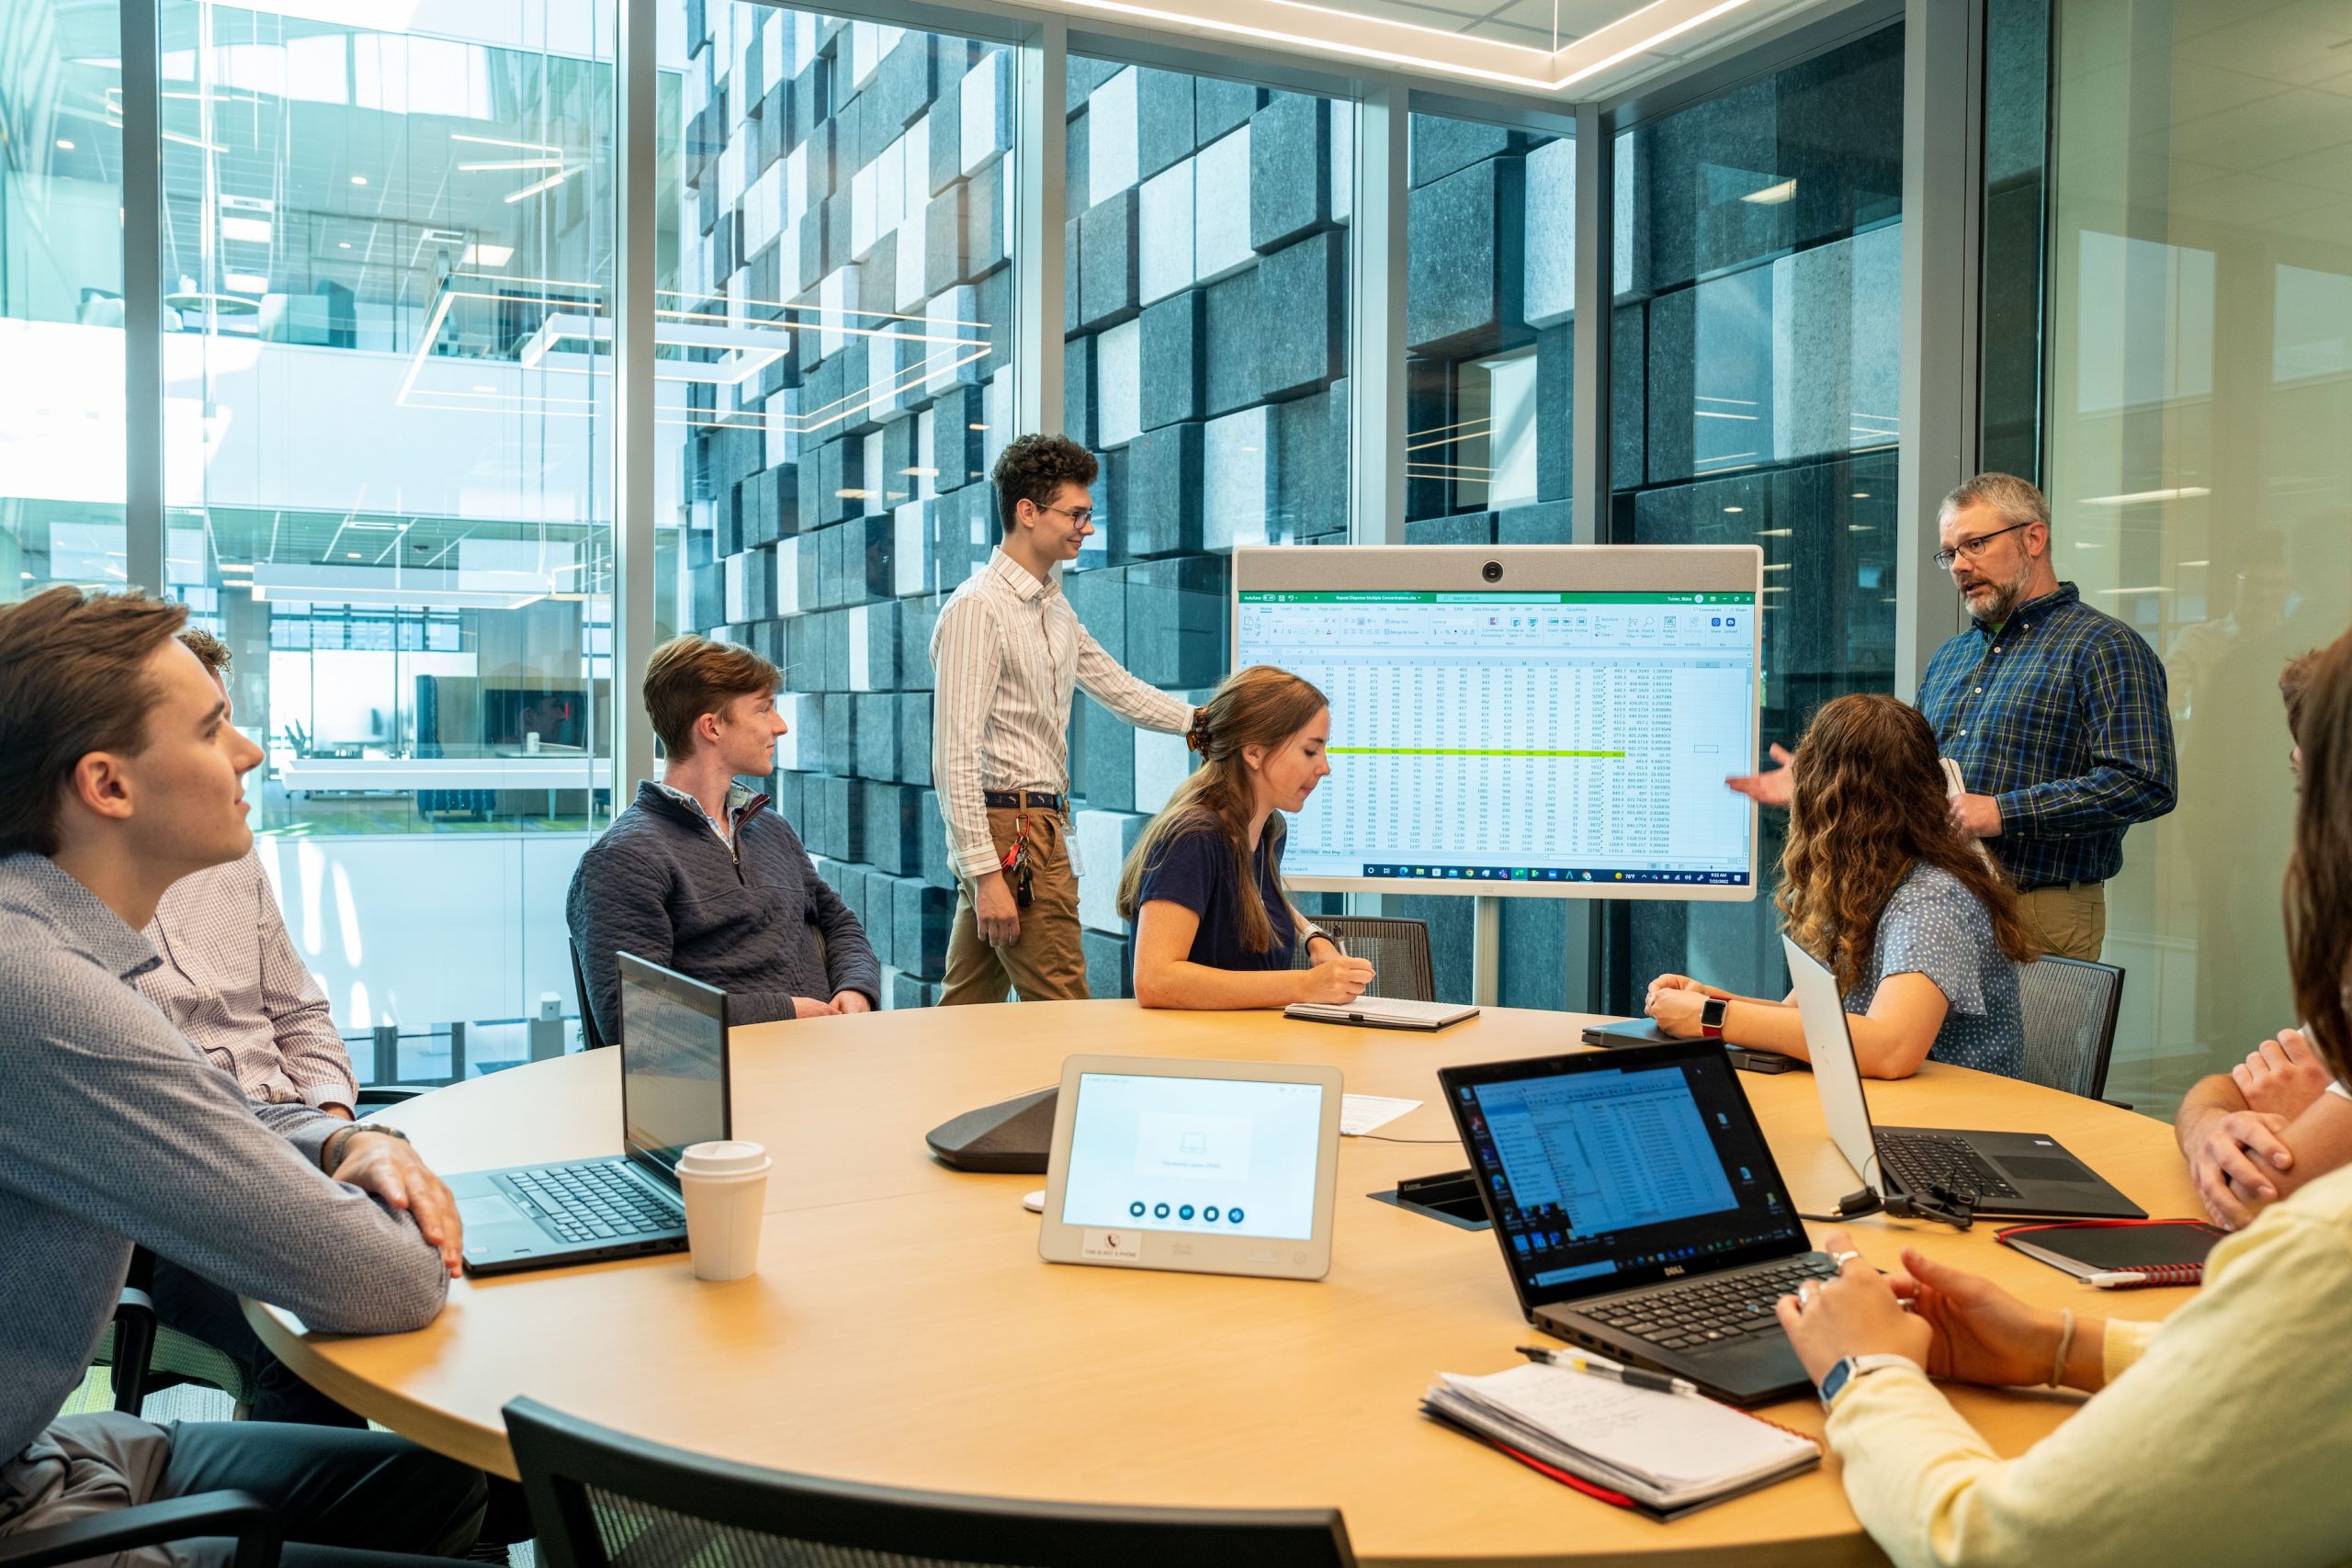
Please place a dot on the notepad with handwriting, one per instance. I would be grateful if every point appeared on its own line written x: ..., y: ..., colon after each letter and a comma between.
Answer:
x: 1663, y: 1453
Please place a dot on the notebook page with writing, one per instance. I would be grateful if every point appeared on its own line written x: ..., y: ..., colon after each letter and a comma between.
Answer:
x: 1673, y: 1443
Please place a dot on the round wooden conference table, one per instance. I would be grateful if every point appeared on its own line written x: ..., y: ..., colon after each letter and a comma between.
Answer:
x: 902, y: 1330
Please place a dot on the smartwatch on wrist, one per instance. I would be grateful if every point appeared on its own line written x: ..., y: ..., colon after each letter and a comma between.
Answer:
x: 1852, y: 1367
x: 1711, y: 1017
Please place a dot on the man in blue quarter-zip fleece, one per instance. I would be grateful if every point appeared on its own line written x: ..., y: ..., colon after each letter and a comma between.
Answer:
x: 119, y: 775
x: 700, y: 877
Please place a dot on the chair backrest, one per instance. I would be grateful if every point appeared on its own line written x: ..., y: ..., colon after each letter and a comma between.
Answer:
x: 1398, y: 950
x: 598, y: 1498
x: 589, y: 1037
x: 2070, y: 1007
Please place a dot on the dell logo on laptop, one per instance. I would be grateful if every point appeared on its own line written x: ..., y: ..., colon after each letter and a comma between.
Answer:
x: 1674, y: 1269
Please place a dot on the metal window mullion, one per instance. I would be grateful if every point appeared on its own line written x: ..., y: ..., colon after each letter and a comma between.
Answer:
x: 636, y: 189
x: 1595, y: 254
x: 1943, y: 134
x: 1040, y: 157
x: 1376, y: 273
x: 1596, y: 290
x: 142, y: 295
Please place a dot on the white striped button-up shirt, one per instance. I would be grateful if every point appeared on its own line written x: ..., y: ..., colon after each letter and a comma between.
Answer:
x: 1008, y: 653
x: 231, y: 982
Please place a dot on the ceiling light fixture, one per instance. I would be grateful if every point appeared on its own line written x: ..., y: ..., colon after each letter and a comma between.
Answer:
x: 1735, y: 509
x: 359, y: 179
x: 1861, y: 495
x: 486, y: 255
x: 511, y: 163
x: 1773, y: 196
x: 536, y: 186
x: 2186, y: 492
x: 1774, y: 532
x: 343, y: 244
x: 496, y: 142
x: 63, y: 145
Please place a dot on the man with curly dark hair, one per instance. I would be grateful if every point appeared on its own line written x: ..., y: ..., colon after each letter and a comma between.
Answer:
x: 1009, y: 652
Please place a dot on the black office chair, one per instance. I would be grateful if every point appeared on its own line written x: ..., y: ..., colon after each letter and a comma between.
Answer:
x: 1398, y: 950
x: 143, y: 1356
x: 2070, y: 1008
x: 590, y: 1039
x: 192, y: 1517
x: 599, y: 1498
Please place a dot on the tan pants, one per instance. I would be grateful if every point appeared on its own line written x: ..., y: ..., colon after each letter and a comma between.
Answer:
x: 2068, y: 920
x: 1048, y: 964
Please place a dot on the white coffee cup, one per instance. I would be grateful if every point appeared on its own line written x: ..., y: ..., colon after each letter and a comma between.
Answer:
x: 725, y: 1184
x: 531, y: 743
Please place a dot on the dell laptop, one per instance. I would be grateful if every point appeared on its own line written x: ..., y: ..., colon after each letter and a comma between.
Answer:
x: 2003, y: 1175
x: 673, y: 1094
x: 1640, y: 1212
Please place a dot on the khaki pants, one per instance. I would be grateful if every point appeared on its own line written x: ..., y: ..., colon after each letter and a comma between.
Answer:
x: 2067, y: 919
x: 1048, y: 964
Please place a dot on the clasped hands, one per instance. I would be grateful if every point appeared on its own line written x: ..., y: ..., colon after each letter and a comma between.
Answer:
x: 1954, y: 1324
x: 1673, y: 1002
x: 2234, y: 1155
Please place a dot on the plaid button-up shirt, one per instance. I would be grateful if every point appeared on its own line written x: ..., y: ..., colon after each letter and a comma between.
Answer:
x: 2060, y: 715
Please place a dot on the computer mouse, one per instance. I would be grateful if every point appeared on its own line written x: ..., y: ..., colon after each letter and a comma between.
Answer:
x: 1034, y: 1201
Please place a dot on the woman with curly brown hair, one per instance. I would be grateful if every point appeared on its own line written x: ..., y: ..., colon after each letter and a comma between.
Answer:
x: 1921, y: 928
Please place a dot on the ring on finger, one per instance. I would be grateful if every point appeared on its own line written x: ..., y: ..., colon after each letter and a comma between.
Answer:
x: 1839, y: 1259
x: 1804, y: 1295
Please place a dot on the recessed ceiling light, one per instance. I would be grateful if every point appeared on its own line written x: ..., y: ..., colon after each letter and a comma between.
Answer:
x: 1861, y: 495
x: 63, y: 145
x: 1773, y: 196
x: 359, y: 179
x: 1774, y: 532
x: 2186, y: 492
x: 1735, y: 509
x: 2197, y: 563
x: 345, y: 244
x: 351, y: 554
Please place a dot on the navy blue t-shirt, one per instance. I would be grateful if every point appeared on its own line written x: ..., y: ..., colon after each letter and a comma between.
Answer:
x: 1196, y: 869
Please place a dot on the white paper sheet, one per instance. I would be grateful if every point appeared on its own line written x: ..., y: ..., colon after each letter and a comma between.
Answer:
x: 1360, y: 1114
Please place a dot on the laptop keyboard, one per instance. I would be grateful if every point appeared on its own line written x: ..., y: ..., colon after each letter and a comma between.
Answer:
x: 1921, y: 1161
x: 1702, y: 1312
x: 592, y: 1202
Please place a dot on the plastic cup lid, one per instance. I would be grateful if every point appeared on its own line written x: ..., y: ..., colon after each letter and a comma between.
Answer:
x: 723, y: 1156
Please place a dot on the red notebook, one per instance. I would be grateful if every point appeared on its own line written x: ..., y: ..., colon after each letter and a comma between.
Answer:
x: 2164, y: 1252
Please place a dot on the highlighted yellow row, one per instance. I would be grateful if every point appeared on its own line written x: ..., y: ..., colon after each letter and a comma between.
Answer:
x: 1455, y: 751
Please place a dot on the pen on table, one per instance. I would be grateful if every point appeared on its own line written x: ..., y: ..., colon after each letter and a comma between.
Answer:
x: 1632, y: 1377
x: 2116, y: 1278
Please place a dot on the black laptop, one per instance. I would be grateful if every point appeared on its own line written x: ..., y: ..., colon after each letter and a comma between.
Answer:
x: 1639, y: 1210
x: 2003, y: 1175
x: 673, y: 1094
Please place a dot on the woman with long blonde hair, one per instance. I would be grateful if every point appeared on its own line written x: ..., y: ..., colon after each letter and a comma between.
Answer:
x: 1921, y: 928
x: 1213, y: 927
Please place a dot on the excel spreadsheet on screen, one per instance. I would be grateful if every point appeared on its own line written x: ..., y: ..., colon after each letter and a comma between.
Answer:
x: 1551, y: 737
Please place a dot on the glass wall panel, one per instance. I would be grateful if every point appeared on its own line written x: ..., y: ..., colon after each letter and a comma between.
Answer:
x: 60, y: 296
x: 2201, y: 279
x: 842, y: 195
x: 388, y: 266
x: 1756, y: 352
x: 1490, y: 351
x: 1206, y: 323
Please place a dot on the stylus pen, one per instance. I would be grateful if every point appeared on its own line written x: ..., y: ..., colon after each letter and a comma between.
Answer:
x: 1632, y: 1377
x: 2116, y: 1278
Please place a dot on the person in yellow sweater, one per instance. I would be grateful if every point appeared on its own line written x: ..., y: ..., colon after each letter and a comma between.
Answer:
x: 2214, y: 1437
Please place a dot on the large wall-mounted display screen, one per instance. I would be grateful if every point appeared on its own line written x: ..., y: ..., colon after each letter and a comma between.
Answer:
x: 1559, y: 723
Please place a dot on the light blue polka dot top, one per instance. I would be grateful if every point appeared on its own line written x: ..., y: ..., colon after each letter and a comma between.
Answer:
x: 1935, y: 926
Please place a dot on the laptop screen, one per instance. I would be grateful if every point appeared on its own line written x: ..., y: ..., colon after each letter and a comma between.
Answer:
x: 1616, y: 1170
x: 1234, y: 1156
x: 673, y: 1064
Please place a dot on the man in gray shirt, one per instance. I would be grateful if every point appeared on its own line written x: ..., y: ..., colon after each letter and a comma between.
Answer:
x: 118, y: 775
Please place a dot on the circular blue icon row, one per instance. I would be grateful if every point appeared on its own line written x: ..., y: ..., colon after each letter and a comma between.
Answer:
x: 1184, y: 1211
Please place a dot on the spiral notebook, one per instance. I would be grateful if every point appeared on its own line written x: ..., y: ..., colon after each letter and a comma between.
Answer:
x: 2167, y: 1252
x: 1660, y: 1454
